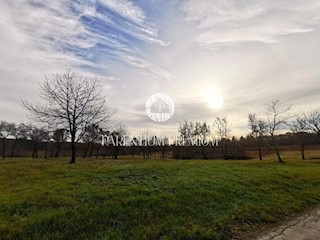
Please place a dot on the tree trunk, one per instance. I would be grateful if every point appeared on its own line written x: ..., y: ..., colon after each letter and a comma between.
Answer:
x: 148, y: 152
x: 46, y: 150
x: 52, y: 149
x: 302, y: 152
x: 58, y: 150
x: 13, y: 147
x: 59, y: 147
x: 163, y: 152
x: 97, y: 152
x: 91, y: 150
x: 86, y: 151
x: 259, y: 148
x: 34, y: 150
x: 105, y: 148
x: 3, y: 148
x: 73, y: 149
x: 278, y: 154
x: 115, y: 152
x: 276, y: 148
x: 143, y: 152
x: 225, y: 150
x: 204, y: 155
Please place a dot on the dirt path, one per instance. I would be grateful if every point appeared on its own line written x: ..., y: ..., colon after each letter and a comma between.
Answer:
x: 304, y: 227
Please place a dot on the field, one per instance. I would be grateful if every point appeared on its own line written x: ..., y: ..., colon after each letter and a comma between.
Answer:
x: 152, y: 199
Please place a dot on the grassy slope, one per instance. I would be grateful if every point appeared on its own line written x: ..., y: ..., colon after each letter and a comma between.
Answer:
x: 137, y: 199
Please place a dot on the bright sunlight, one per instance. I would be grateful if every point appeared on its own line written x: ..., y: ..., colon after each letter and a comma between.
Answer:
x: 213, y: 97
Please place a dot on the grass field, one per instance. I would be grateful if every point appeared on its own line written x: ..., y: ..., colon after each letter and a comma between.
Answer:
x: 152, y: 199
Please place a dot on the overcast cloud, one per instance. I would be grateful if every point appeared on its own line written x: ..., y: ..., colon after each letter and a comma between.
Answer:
x: 252, y: 51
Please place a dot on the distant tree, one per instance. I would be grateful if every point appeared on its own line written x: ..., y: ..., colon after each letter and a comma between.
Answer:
x: 91, y: 135
x: 145, y: 138
x: 164, y: 146
x: 201, y: 132
x: 258, y: 129
x: 313, y: 120
x: 47, y: 138
x: 278, y: 116
x: 6, y: 129
x: 299, y: 127
x: 134, y: 146
x: 119, y: 137
x: 71, y: 102
x: 187, y: 132
x: 194, y: 133
x: 59, y: 136
x: 14, y: 132
x: 105, y: 134
x: 18, y: 132
x: 222, y: 129
x: 37, y: 135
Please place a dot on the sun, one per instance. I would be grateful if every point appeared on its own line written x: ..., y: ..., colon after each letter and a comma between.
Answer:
x: 213, y: 97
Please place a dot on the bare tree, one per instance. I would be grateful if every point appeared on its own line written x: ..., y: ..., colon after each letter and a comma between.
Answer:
x: 72, y: 102
x: 187, y: 132
x: 59, y: 136
x: 163, y: 147
x: 133, y: 146
x: 119, y: 137
x: 258, y: 129
x: 47, y: 136
x: 278, y: 116
x: 202, y: 130
x: 223, y: 129
x: 6, y: 129
x: 313, y: 120
x: 299, y: 127
x: 37, y: 135
x: 145, y: 138
x: 92, y: 134
x: 18, y: 132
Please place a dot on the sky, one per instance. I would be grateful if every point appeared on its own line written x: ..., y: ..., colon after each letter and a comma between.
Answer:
x: 212, y: 57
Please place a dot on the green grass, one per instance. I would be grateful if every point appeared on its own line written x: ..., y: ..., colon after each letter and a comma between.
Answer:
x: 151, y: 199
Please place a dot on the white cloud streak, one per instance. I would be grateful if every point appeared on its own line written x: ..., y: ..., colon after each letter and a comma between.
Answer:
x: 230, y: 22
x: 40, y: 37
x: 126, y: 9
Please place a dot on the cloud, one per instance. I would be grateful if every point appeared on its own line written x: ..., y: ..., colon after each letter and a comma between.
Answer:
x: 126, y: 9
x: 79, y: 30
x: 223, y: 23
x: 138, y: 48
x: 145, y: 66
x: 93, y: 37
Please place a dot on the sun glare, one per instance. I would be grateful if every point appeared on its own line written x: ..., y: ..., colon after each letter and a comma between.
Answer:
x: 213, y: 97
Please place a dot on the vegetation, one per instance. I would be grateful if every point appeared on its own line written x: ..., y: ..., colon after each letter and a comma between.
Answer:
x: 74, y: 110
x: 258, y: 129
x: 71, y: 102
x: 149, y: 199
x: 152, y: 199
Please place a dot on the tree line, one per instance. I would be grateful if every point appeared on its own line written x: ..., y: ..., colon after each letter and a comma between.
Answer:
x: 301, y: 128
x: 73, y: 108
